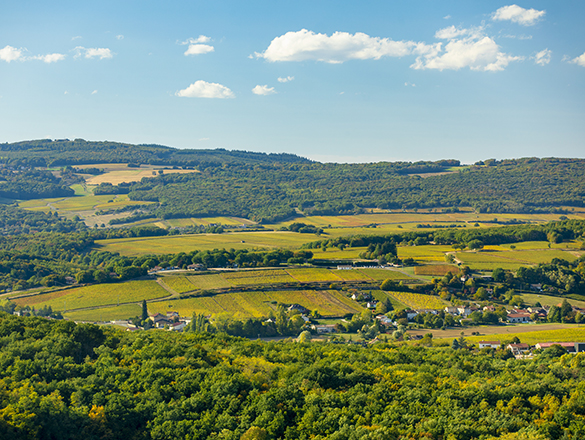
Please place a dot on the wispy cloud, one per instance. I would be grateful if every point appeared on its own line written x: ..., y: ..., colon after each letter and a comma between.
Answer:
x: 50, y: 58
x: 94, y: 52
x: 10, y: 53
x: 120, y: 37
x: 517, y: 14
x: 94, y: 92
x: 203, y: 89
x: 542, y: 58
x: 580, y: 60
x: 263, y: 90
x: 407, y: 84
x: 286, y: 79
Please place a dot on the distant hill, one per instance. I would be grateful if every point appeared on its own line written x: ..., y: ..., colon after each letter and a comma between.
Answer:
x: 47, y: 152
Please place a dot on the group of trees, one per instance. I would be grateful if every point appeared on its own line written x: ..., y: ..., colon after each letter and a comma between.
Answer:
x: 62, y: 380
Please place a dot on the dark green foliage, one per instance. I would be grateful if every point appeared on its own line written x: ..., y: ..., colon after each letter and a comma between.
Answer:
x: 65, y: 381
x: 14, y: 220
x: 31, y: 184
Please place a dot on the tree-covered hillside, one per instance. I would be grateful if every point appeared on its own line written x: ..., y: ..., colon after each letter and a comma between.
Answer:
x: 275, y: 191
x: 47, y: 152
x: 59, y: 380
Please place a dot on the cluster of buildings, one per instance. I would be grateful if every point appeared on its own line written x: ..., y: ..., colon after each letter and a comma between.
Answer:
x: 523, y: 350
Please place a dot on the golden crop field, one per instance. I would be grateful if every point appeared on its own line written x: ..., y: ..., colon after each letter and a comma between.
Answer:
x: 573, y: 334
x: 313, y: 274
x: 534, y: 245
x: 96, y: 295
x: 257, y: 304
x: 419, y: 301
x: 336, y: 254
x: 118, y: 173
x: 230, y: 221
x: 380, y: 295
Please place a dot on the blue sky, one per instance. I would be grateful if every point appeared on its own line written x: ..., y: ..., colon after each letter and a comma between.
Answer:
x: 342, y: 81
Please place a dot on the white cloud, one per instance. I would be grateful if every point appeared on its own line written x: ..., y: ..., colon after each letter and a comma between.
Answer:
x: 203, y: 139
x: 337, y: 48
x: 407, y: 84
x: 199, y: 49
x: 50, y: 58
x: 263, y: 90
x: 10, y: 53
x: 446, y: 17
x: 199, y: 39
x: 543, y: 57
x: 120, y: 37
x: 196, y: 47
x: 95, y: 52
x: 94, y: 92
x: 203, y: 89
x: 580, y: 60
x: 466, y: 48
x: 286, y: 79
x: 77, y: 37
x: 517, y: 14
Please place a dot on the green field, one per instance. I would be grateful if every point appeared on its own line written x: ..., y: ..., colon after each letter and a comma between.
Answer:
x: 188, y: 243
x: 213, y: 281
x: 547, y: 300
x: 352, y: 275
x: 96, y: 295
x: 384, y: 274
x: 329, y: 303
x: 101, y: 314
x: 424, y: 253
x: 246, y: 278
x: 179, y: 284
x: 380, y: 295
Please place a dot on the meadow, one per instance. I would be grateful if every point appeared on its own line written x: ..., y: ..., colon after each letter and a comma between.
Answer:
x: 178, y: 284
x: 95, y: 295
x: 118, y: 173
x: 511, y: 259
x: 187, y: 243
x: 567, y: 334
x: 104, y: 314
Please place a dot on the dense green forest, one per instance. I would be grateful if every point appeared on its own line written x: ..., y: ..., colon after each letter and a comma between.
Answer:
x: 272, y: 192
x: 57, y: 153
x: 59, y: 380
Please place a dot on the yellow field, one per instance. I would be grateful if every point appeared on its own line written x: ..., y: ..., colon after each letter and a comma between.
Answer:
x: 96, y: 295
x: 314, y: 274
x: 257, y: 304
x: 118, y: 173
x: 547, y: 300
x: 419, y: 301
x: 229, y: 221
x: 512, y: 259
x: 384, y: 274
x: 573, y: 334
x: 178, y: 284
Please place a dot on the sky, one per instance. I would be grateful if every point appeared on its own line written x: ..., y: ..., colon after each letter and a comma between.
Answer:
x: 334, y: 81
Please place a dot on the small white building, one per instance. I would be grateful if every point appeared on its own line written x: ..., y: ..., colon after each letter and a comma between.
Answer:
x: 489, y: 344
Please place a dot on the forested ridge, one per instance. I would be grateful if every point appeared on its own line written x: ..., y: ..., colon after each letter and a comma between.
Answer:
x: 59, y: 380
x: 274, y: 191
x: 52, y: 153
